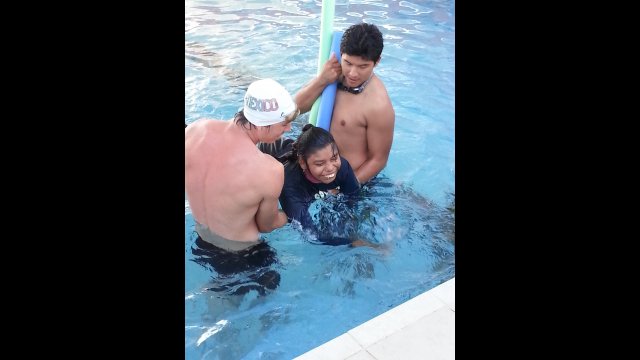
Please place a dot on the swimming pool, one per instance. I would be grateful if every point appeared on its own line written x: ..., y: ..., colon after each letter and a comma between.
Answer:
x: 324, y: 290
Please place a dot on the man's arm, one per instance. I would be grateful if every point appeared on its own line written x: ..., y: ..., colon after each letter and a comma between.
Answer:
x: 346, y: 178
x: 380, y: 123
x: 268, y: 217
x: 306, y: 96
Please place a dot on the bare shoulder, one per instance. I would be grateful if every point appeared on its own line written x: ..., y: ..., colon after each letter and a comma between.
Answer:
x: 193, y: 132
x: 271, y: 165
x: 380, y: 95
x: 271, y: 175
x: 265, y: 166
x: 200, y: 125
x: 193, y: 128
x: 380, y: 108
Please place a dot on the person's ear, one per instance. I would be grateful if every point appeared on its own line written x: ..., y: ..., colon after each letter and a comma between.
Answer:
x: 302, y: 163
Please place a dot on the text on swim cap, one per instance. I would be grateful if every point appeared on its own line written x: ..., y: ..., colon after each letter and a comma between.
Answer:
x: 262, y: 105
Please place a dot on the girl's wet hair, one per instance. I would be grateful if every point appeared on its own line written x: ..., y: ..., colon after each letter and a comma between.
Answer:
x: 311, y: 139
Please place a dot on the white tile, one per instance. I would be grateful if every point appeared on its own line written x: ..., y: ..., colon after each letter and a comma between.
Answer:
x: 431, y: 337
x: 339, y: 348
x: 395, y: 319
x: 447, y: 293
x: 362, y: 355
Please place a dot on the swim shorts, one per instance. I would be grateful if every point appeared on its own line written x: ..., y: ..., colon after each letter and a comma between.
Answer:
x: 239, y: 271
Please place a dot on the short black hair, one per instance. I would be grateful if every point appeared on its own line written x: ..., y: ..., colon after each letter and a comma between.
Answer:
x: 362, y: 40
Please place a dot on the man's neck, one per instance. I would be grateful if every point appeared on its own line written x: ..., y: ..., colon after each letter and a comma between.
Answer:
x: 357, y: 89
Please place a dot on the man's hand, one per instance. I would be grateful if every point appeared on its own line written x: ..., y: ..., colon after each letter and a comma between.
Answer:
x: 331, y: 70
x: 305, y: 97
x: 281, y: 219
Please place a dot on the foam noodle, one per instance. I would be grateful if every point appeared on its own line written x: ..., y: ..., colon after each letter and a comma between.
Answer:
x: 328, y: 96
x: 326, y: 29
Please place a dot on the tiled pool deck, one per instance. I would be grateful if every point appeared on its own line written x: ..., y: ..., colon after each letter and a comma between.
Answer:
x: 421, y: 328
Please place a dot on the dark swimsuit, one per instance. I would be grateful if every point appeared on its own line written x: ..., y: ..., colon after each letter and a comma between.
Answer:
x: 230, y: 259
x: 256, y: 261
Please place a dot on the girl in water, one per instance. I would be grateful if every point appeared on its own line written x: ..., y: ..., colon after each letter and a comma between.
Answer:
x: 313, y: 168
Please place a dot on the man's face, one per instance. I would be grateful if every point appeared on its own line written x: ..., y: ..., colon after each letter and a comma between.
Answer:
x: 270, y: 134
x: 356, y: 70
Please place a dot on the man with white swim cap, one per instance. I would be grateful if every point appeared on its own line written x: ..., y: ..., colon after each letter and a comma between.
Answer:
x: 231, y: 186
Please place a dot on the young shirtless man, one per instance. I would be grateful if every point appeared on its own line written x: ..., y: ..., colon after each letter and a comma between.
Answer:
x: 363, y: 116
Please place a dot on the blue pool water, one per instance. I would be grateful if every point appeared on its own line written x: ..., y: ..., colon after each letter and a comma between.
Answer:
x: 325, y: 290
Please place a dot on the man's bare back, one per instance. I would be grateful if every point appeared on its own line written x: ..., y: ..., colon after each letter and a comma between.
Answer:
x: 224, y: 193
x: 231, y: 186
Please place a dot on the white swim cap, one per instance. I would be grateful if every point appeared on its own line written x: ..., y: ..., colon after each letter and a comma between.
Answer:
x: 266, y: 102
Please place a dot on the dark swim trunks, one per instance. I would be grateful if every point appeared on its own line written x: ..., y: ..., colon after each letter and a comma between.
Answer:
x: 255, y: 261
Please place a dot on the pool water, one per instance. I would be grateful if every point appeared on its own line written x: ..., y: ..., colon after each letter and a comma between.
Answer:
x: 410, y: 209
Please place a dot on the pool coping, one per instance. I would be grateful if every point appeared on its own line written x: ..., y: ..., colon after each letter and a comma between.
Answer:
x: 422, y: 327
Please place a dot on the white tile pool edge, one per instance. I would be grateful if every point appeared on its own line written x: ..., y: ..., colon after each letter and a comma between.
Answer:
x: 422, y: 326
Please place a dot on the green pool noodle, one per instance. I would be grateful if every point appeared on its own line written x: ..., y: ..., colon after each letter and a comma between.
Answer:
x: 326, y: 31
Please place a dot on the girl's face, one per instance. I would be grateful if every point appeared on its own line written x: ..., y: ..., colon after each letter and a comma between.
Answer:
x: 322, y: 164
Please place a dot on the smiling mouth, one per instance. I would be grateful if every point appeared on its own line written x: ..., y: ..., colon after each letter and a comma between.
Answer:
x: 330, y: 176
